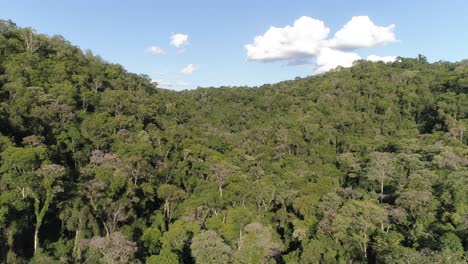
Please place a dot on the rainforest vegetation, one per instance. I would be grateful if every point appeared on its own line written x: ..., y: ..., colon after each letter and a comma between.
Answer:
x: 367, y: 164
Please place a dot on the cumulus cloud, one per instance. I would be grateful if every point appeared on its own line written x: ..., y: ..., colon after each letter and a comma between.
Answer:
x: 179, y: 40
x: 302, y: 40
x: 329, y: 59
x: 361, y: 32
x: 154, y: 50
x: 189, y: 69
x: 308, y: 38
x: 381, y: 58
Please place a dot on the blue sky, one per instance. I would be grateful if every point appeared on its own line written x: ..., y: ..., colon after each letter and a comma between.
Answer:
x: 218, y: 31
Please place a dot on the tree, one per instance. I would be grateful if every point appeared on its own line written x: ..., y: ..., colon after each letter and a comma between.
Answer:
x: 257, y: 245
x: 77, y: 216
x: 41, y: 184
x: 178, y: 234
x: 321, y: 250
x: 381, y: 168
x: 451, y: 242
x: 151, y: 237
x: 31, y: 40
x: 165, y: 257
x: 208, y: 247
x: 355, y: 222
x: 170, y: 194
x: 7, y: 25
x: 415, y: 202
x: 221, y: 170
x: 51, y: 183
x: 114, y: 248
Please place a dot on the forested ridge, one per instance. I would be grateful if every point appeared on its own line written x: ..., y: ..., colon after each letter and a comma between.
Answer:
x: 367, y: 164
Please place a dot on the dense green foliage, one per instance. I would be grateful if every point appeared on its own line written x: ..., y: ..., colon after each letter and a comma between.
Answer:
x: 365, y: 164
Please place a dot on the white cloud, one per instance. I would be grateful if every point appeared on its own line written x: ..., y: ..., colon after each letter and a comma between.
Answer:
x: 154, y: 50
x: 381, y: 58
x: 308, y: 38
x: 181, y: 84
x: 162, y: 83
x: 178, y: 40
x: 329, y: 59
x: 189, y: 69
x: 295, y: 43
x: 361, y: 32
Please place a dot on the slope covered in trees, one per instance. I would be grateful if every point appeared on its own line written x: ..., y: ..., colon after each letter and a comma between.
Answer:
x: 97, y: 165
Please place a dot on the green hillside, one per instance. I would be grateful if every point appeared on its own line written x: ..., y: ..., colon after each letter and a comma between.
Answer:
x: 367, y: 164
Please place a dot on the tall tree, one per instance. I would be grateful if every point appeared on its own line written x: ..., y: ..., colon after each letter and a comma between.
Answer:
x: 381, y: 168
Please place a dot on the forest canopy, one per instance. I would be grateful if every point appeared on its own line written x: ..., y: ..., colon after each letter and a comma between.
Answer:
x: 367, y: 164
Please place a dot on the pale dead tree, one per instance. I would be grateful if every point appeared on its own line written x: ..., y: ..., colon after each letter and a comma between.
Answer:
x: 257, y: 171
x: 414, y: 202
x: 114, y: 248
x: 135, y: 168
x: 198, y: 215
x: 116, y: 213
x: 109, y: 212
x: 94, y: 191
x: 449, y: 159
x: 381, y: 168
x: 325, y: 225
x: 264, y: 196
x: 98, y: 83
x: 33, y: 141
x: 282, y: 143
x: 98, y: 157
x: 456, y: 132
x: 221, y: 171
x: 31, y: 40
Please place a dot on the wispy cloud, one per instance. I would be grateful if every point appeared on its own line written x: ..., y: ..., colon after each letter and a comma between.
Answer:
x: 189, y: 69
x: 154, y: 50
x: 381, y: 58
x: 172, y: 84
